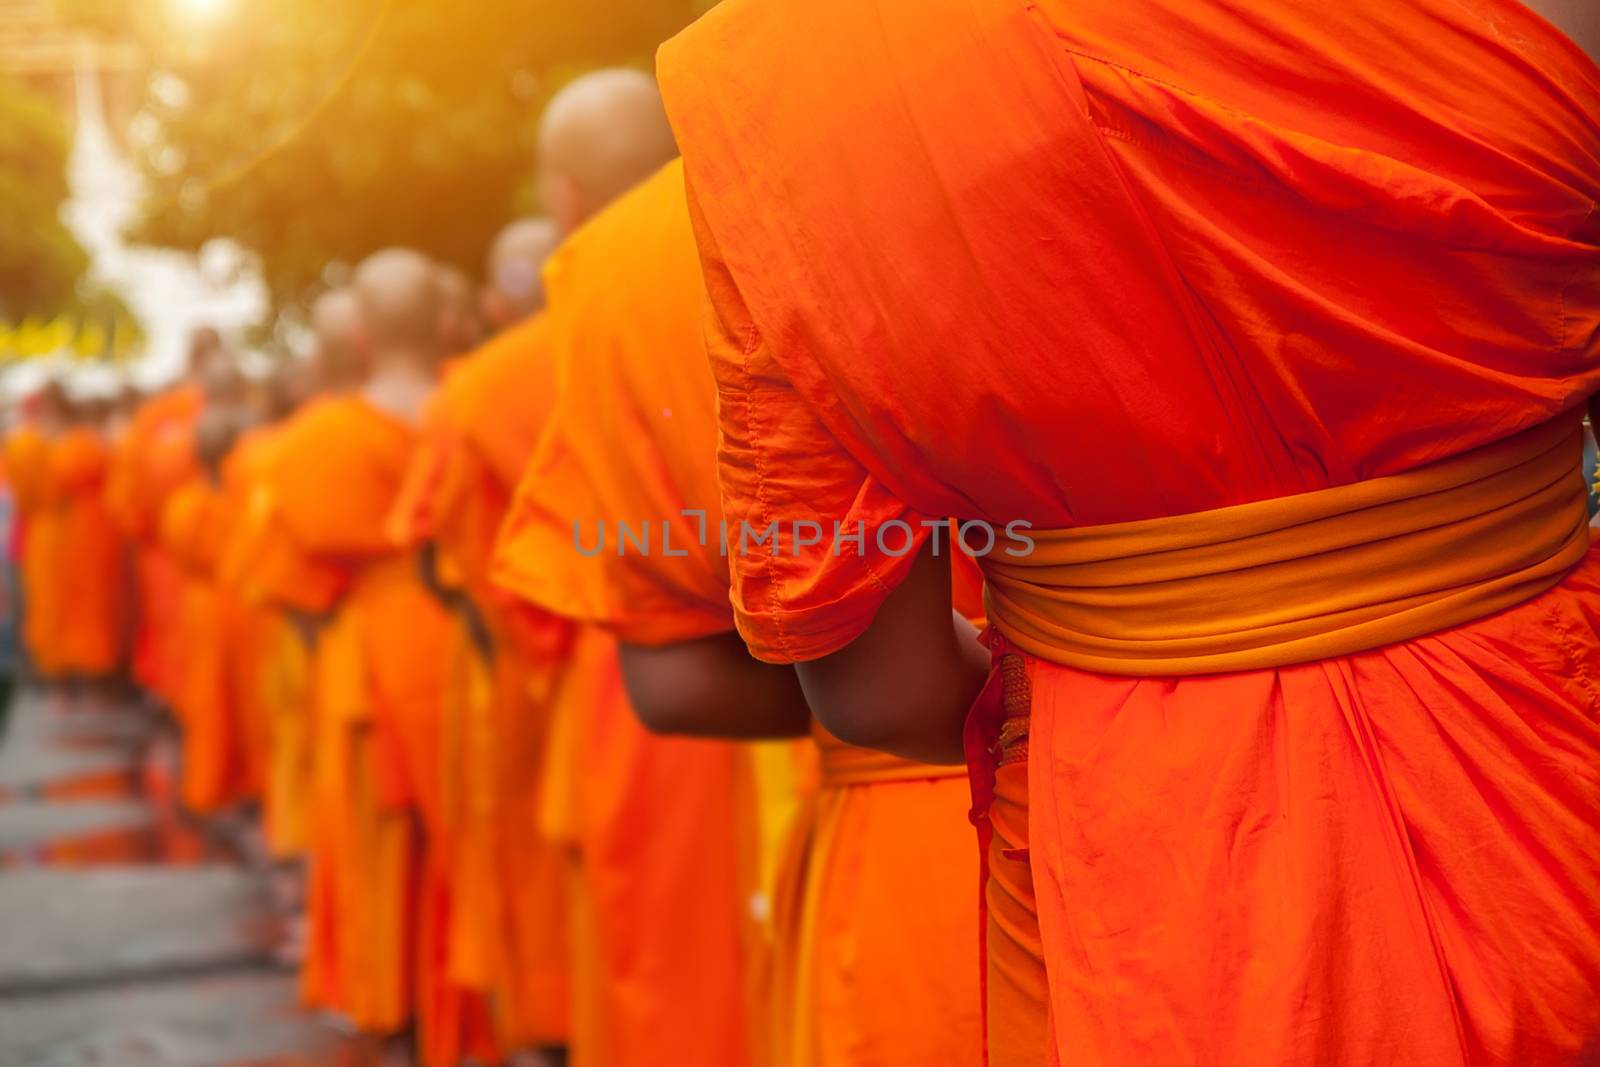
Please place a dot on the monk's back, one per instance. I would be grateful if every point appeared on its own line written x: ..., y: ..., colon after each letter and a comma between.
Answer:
x: 1167, y: 255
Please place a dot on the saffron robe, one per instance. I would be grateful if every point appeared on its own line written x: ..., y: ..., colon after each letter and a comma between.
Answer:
x: 1162, y: 258
x: 28, y: 459
x: 92, y: 588
x: 873, y: 965
x: 274, y: 580
x: 378, y: 678
x: 509, y: 937
x: 193, y: 533
x: 658, y: 815
x: 149, y: 462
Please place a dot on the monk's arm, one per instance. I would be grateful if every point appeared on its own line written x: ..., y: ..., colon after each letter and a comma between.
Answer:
x: 905, y: 685
x: 713, y: 687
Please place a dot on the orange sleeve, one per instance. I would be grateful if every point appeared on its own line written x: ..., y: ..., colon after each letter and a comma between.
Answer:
x: 430, y: 485
x: 616, y: 519
x: 786, y: 478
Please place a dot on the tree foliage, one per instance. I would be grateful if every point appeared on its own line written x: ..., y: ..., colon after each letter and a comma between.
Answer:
x: 317, y: 132
x: 40, y: 260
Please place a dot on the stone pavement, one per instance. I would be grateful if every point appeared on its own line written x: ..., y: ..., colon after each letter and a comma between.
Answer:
x: 128, y: 937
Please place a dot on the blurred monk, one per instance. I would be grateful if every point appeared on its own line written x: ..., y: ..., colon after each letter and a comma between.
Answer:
x: 268, y: 571
x: 507, y: 940
x: 193, y: 530
x: 881, y: 869
x: 1256, y: 337
x: 152, y: 459
x: 31, y: 465
x: 660, y: 852
x: 460, y: 329
x: 379, y: 658
x: 93, y: 587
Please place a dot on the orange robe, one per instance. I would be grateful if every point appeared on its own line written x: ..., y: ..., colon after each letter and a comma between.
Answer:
x: 379, y: 674
x: 508, y: 938
x: 28, y: 459
x: 193, y: 533
x: 150, y: 461
x: 633, y: 439
x: 659, y: 840
x: 92, y: 588
x: 264, y: 580
x: 1086, y: 263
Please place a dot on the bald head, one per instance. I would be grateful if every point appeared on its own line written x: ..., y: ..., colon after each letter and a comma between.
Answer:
x: 459, y: 328
x: 601, y: 135
x: 336, y: 325
x: 514, y: 288
x: 398, y: 290
x: 223, y: 382
x: 205, y: 348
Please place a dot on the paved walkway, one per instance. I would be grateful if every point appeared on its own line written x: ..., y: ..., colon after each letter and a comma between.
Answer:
x: 129, y: 939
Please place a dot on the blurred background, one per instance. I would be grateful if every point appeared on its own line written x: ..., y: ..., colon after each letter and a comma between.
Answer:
x: 164, y: 162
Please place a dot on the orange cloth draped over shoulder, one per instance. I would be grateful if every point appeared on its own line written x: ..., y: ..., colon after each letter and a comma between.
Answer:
x: 660, y: 849
x: 508, y: 937
x: 633, y: 438
x: 149, y: 461
x: 1164, y: 258
x: 378, y: 678
x: 29, y: 460
x: 93, y: 589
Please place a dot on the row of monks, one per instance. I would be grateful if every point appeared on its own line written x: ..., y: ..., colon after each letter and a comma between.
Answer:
x: 1281, y: 737
x: 356, y: 588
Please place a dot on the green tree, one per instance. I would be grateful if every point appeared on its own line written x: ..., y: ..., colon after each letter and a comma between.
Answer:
x: 40, y: 261
x: 314, y: 132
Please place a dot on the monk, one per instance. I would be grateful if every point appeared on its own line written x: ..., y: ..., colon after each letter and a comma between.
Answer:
x: 1289, y: 752
x: 151, y: 460
x: 266, y: 571
x: 507, y: 942
x: 378, y: 663
x: 854, y: 901
x: 659, y: 849
x: 193, y: 529
x: 31, y: 466
x: 460, y: 328
x: 92, y: 586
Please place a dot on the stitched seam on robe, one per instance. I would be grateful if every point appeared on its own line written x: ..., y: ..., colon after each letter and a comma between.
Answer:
x: 752, y: 341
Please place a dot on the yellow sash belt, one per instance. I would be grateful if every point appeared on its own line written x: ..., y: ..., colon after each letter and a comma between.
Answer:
x: 1304, y: 577
x: 845, y: 765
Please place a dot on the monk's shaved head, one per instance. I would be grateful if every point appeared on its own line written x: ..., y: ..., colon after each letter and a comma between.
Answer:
x: 398, y: 291
x: 601, y: 135
x: 515, y: 286
x: 205, y: 347
x: 459, y: 328
x: 223, y: 382
x: 336, y: 324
